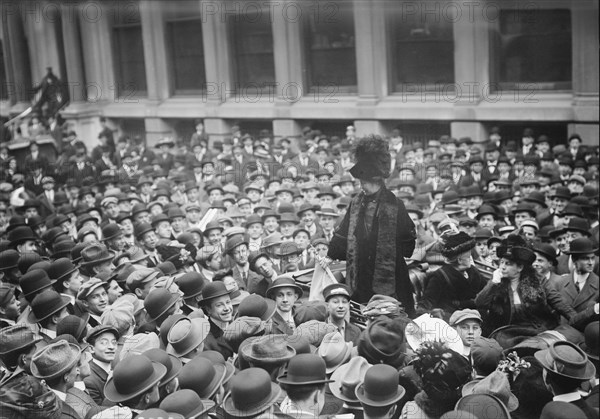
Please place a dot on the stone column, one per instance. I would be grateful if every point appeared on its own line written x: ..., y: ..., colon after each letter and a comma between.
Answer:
x: 155, y: 54
x: 72, y: 47
x: 16, y: 58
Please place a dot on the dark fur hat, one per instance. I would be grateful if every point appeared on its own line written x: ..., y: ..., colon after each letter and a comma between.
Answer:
x: 373, y: 158
x: 456, y: 243
x: 516, y: 248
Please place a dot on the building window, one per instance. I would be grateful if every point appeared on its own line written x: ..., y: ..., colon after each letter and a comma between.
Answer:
x: 422, y: 48
x: 130, y: 68
x: 183, y: 25
x: 533, y: 50
x: 3, y: 79
x: 330, y: 47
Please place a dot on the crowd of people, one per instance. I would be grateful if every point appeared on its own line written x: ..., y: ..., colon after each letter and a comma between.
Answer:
x: 180, y: 281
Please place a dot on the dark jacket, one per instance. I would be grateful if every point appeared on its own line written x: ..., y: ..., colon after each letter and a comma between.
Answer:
x: 375, y: 254
x: 451, y: 291
x: 280, y: 326
x: 94, y: 383
x: 215, y: 342
x: 539, y: 308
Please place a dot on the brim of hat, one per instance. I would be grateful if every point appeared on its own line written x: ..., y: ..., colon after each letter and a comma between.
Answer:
x: 36, y: 372
x: 111, y: 256
x: 348, y: 352
x: 237, y: 300
x: 296, y: 286
x: 22, y: 239
x: 201, y: 338
x: 336, y: 386
x: 66, y: 273
x: 39, y: 289
x: 590, y: 355
x: 220, y: 372
x: 65, y: 302
x: 176, y: 367
x: 246, y: 352
x: 590, y: 370
x: 24, y: 346
x: 206, y: 406
x: 362, y: 397
x: 283, y: 379
x: 513, y: 401
x: 229, y: 371
x: 112, y: 237
x: 595, y: 250
x: 231, y: 410
x: 212, y: 297
x: 111, y: 393
x: 172, y: 302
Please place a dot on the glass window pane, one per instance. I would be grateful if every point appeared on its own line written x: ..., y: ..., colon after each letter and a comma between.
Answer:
x: 187, y: 55
x: 535, y: 47
x: 331, y: 55
x: 130, y: 68
x: 253, y: 40
x: 422, y: 48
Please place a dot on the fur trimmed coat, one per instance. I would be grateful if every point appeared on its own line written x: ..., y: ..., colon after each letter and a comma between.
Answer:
x: 540, y: 308
x: 375, y: 253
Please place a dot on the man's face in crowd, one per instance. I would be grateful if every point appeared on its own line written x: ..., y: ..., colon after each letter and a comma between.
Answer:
x: 584, y: 264
x: 221, y: 309
x: 114, y: 291
x: 285, y: 298
x: 308, y: 217
x: 529, y: 232
x: 562, y: 242
x: 482, y: 248
x: 105, y: 347
x: 127, y: 227
x: 214, y: 237
x: 327, y: 222
x: 31, y: 212
x: 487, y: 221
x: 468, y: 330
x: 118, y: 243
x: 192, y: 195
x: 143, y: 217
x: 326, y: 200
x: 271, y: 224
x: 520, y: 217
x: 254, y: 230
x: 338, y: 307
x: 163, y: 229
x: 193, y: 216
x: 27, y: 246
x: 572, y: 235
x: 112, y: 210
x: 97, y: 301
x: 302, y: 240
x: 541, y: 264
x: 476, y: 167
x: 264, y: 266
x: 215, y: 195
x: 214, y: 264
x: 287, y: 228
x: 240, y: 254
x: 177, y: 224
x: 150, y: 240
x: 284, y: 196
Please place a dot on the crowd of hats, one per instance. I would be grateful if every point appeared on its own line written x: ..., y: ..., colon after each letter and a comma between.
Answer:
x: 452, y: 188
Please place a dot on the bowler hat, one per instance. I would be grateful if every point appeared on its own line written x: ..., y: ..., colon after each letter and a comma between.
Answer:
x: 54, y: 360
x: 216, y: 357
x: 142, y: 228
x: 572, y: 208
x: 191, y: 284
x: 562, y: 410
x: 213, y: 290
x: 547, y: 251
x: 307, y: 206
x: 60, y: 269
x: 281, y: 282
x: 591, y: 344
x: 95, y: 254
x: 234, y: 242
x: 186, y: 403
x: 582, y: 246
x: 9, y: 259
x: 256, y: 306
x: 524, y: 207
x: 567, y: 360
x: 172, y: 363
x: 47, y: 303
x: 155, y: 413
x: 75, y: 326
x: 311, y: 310
x: 480, y: 404
x: 111, y: 231
x: 252, y: 392
x: 486, y: 353
x: 380, y: 387
x: 202, y: 376
x: 17, y: 338
x: 20, y: 235
x: 561, y: 192
x: 33, y: 281
x: 186, y: 335
x: 304, y: 369
x: 580, y: 225
x: 63, y: 249
x: 347, y: 377
x: 158, y: 302
x: 133, y: 378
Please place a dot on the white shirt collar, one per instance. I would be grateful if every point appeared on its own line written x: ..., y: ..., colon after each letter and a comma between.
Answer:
x: 62, y: 396
x: 567, y: 397
x: 104, y: 365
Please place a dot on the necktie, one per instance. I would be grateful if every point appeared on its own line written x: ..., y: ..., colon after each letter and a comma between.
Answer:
x: 291, y: 324
x: 578, y: 286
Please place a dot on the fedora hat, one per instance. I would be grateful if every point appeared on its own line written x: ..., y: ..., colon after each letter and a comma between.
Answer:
x: 213, y: 290
x: 95, y: 254
x: 334, y: 351
x: 268, y: 350
x: 172, y: 363
x: 252, y: 392
x: 591, y: 344
x: 54, y: 360
x: 158, y: 302
x: 202, y: 376
x: 304, y: 369
x: 567, y: 360
x: 17, y: 338
x: 272, y: 239
x: 186, y: 403
x: 45, y: 304
x: 347, y: 377
x: 256, y: 306
x: 328, y: 212
x: 315, y: 331
x: 217, y: 358
x: 480, y: 404
x: 186, y: 335
x: 380, y: 386
x: 426, y: 328
x: 495, y: 384
x: 133, y: 378
x: 33, y: 281
x: 283, y: 281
